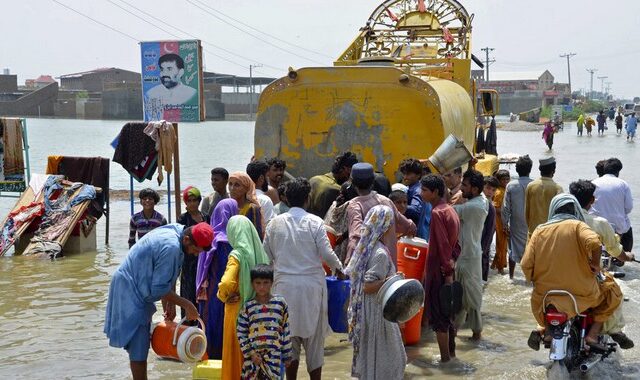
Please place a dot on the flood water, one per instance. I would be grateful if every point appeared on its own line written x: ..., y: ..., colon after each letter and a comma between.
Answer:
x: 52, y: 312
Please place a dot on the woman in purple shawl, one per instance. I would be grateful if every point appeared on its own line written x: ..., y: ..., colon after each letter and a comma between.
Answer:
x: 211, y: 266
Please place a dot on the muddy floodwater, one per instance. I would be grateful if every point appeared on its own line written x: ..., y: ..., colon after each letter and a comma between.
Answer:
x: 51, y: 313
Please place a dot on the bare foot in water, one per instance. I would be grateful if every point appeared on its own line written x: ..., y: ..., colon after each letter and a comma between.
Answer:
x: 476, y: 336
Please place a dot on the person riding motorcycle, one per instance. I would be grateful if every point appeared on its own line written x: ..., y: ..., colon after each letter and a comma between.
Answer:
x: 564, y: 254
x: 584, y: 192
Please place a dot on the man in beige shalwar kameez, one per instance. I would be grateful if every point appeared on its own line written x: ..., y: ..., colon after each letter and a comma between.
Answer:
x: 564, y: 254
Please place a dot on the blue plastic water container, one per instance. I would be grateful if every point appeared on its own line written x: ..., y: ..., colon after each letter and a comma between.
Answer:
x: 339, y: 291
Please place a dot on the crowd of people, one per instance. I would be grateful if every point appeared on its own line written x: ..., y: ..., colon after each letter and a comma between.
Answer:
x: 250, y: 258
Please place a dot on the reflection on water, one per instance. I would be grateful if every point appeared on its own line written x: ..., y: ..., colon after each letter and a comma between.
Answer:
x: 51, y: 313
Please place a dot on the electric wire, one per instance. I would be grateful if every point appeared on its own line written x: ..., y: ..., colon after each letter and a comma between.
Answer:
x: 253, y: 35
x: 279, y: 69
x: 96, y: 21
x: 139, y: 40
x: 265, y: 33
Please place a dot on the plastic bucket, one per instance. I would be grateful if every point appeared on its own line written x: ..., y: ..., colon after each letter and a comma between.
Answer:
x: 176, y: 341
x: 450, y: 154
x: 338, y: 294
x: 412, y: 256
x: 412, y: 329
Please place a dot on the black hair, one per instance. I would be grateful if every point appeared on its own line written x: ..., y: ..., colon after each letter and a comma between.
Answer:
x: 188, y: 232
x: 583, y: 190
x: 547, y: 170
x: 278, y: 163
x: 381, y: 184
x: 568, y: 208
x: 476, y: 179
x: 395, y: 195
x: 347, y: 193
x: 612, y: 166
x: 172, y: 58
x: 222, y: 172
x: 257, y: 168
x: 282, y: 188
x: 297, y: 192
x: 261, y: 272
x: 501, y: 174
x: 363, y: 183
x: 524, y: 165
x: 411, y: 165
x: 491, y: 181
x: 433, y: 182
x: 345, y: 159
x: 600, y: 167
x: 149, y: 193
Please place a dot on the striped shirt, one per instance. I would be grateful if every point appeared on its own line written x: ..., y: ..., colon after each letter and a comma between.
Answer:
x: 141, y: 225
x: 264, y: 329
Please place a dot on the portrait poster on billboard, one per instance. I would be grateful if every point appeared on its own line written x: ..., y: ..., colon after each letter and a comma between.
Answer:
x: 172, y: 80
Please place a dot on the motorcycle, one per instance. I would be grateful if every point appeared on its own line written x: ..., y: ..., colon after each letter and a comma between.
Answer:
x: 567, y: 346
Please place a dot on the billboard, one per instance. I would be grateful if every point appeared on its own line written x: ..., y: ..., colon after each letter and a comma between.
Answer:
x: 172, y: 80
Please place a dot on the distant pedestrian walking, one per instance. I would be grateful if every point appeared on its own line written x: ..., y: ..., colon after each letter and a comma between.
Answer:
x: 580, y: 124
x: 547, y: 134
x: 618, y: 121
x: 632, y: 125
x: 602, y: 123
x: 589, y: 123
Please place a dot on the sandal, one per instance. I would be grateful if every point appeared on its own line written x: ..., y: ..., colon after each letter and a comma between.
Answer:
x: 623, y: 340
x: 534, y: 340
x: 596, y: 347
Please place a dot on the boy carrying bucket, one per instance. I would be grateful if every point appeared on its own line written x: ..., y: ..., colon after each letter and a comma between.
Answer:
x: 263, y: 329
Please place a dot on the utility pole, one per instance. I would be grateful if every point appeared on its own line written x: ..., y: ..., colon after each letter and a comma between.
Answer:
x: 251, y: 67
x: 591, y: 71
x: 607, y: 87
x: 486, y: 50
x: 568, y: 56
x: 602, y: 85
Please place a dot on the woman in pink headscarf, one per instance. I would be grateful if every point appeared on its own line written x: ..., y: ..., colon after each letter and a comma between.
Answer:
x: 211, y: 267
x: 243, y: 190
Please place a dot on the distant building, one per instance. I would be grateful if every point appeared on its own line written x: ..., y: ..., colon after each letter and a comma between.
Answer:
x: 95, y: 80
x: 522, y: 91
x: 35, y: 101
x: 39, y: 82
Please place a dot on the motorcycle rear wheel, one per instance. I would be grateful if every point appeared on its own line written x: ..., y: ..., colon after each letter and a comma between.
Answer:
x: 572, y: 359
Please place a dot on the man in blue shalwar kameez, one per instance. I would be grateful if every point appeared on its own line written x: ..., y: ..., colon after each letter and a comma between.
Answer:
x: 149, y: 274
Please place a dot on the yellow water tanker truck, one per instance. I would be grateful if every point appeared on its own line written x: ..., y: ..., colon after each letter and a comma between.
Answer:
x: 401, y: 87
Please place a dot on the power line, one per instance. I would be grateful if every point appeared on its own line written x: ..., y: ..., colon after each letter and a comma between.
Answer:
x: 188, y: 34
x: 251, y: 34
x: 265, y: 33
x: 96, y: 21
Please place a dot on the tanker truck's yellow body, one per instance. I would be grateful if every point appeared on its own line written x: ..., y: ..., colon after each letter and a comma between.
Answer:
x: 385, y: 99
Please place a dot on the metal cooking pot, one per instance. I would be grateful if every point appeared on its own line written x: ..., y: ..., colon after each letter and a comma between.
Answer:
x: 401, y: 299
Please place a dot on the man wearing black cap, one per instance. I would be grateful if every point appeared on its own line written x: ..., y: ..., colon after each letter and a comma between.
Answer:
x: 362, y: 177
x: 539, y: 194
